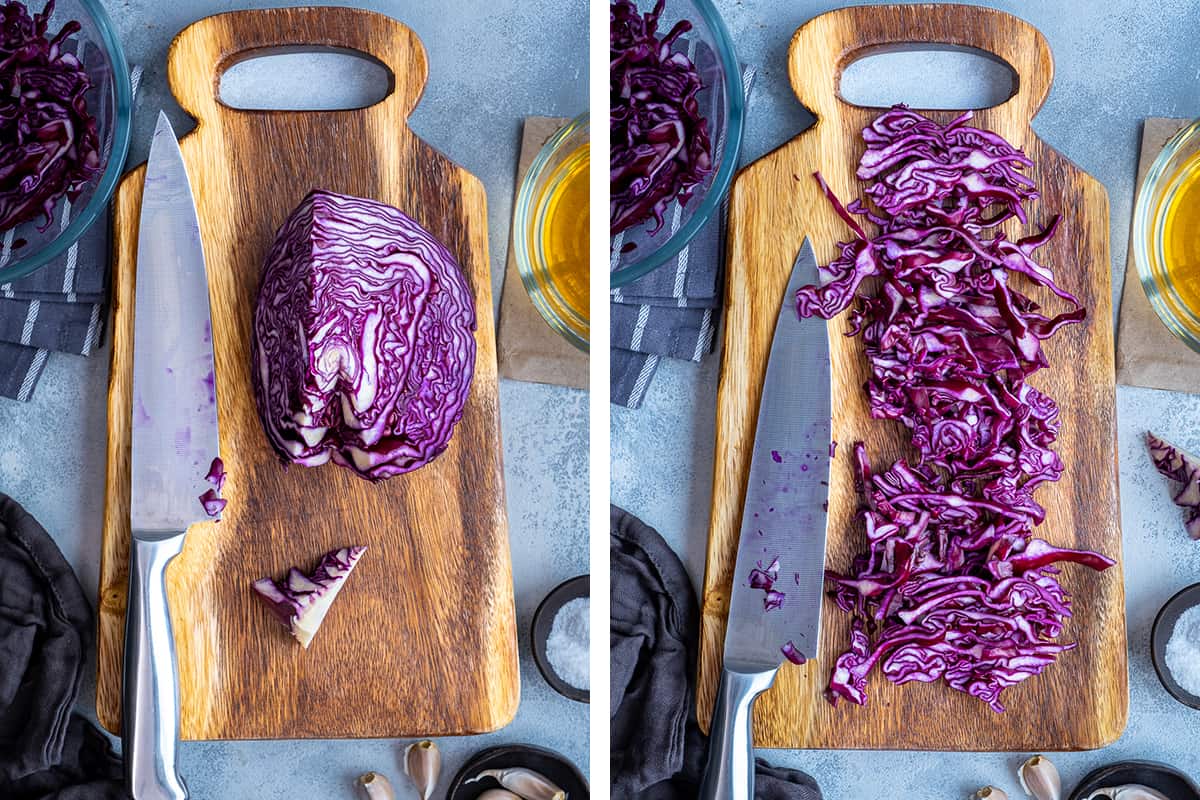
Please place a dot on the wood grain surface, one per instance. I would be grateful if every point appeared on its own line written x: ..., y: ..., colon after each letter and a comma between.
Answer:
x: 1081, y: 702
x: 422, y: 640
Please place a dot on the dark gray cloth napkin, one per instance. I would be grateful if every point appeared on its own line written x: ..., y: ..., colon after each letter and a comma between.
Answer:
x: 671, y: 312
x: 46, y: 628
x: 657, y: 749
x: 60, y: 307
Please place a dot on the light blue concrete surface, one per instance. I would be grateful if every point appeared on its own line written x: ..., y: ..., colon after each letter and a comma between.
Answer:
x: 1117, y: 63
x: 492, y: 62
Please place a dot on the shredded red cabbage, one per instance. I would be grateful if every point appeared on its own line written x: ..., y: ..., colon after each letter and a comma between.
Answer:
x: 764, y: 578
x: 953, y: 585
x: 213, y: 504
x: 1183, y: 468
x: 792, y: 653
x: 660, y: 148
x: 212, y: 501
x: 216, y: 474
x: 49, y: 147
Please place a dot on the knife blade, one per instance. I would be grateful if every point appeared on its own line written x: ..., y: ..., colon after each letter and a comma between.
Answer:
x: 782, y: 535
x: 174, y: 407
x: 785, y: 509
x: 174, y: 441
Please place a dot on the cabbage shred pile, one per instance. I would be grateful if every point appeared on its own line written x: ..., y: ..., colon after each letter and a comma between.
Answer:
x: 954, y: 586
x: 49, y: 147
x: 660, y: 147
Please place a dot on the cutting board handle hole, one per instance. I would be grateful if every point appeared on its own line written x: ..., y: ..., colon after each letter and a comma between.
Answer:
x: 927, y: 77
x: 304, y: 79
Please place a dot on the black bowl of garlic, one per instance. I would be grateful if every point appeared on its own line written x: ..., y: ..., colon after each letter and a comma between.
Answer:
x: 1136, y: 780
x: 518, y: 772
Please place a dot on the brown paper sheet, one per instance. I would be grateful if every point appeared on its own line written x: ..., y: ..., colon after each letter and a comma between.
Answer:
x: 529, y: 349
x: 1148, y: 354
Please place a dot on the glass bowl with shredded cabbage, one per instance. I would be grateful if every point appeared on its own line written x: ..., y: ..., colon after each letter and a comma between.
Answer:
x: 649, y: 230
x: 65, y: 205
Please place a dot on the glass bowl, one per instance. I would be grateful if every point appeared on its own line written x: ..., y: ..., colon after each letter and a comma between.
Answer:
x: 534, y: 197
x: 722, y: 103
x: 24, y: 248
x: 1176, y: 165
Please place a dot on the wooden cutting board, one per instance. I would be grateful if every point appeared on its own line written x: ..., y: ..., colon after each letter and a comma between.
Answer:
x: 422, y: 641
x: 1082, y: 701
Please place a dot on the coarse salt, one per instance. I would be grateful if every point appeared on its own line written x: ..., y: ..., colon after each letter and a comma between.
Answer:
x: 1183, y: 651
x: 567, y: 645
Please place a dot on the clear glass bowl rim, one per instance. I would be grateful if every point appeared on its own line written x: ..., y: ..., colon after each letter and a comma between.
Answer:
x: 1143, y: 229
x: 522, y: 216
x: 91, y: 213
x: 728, y: 166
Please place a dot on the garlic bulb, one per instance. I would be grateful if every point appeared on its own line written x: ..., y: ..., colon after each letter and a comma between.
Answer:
x: 1040, y: 780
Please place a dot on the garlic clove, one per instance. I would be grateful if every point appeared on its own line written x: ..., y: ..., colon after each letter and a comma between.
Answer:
x: 525, y: 783
x: 423, y: 765
x: 1039, y: 778
x: 376, y: 787
x: 498, y: 794
x: 990, y: 793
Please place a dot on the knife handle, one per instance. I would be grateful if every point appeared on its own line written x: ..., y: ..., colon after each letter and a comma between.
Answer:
x: 150, y: 735
x: 729, y: 774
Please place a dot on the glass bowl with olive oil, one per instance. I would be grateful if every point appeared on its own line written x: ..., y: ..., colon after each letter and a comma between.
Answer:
x: 1166, y: 235
x: 550, y: 232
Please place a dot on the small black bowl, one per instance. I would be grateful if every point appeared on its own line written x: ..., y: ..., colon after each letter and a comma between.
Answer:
x: 1166, y: 780
x: 543, y: 618
x: 549, y: 763
x: 1160, y: 634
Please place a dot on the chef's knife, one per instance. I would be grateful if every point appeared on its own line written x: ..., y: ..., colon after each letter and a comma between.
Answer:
x: 174, y: 443
x: 783, y: 523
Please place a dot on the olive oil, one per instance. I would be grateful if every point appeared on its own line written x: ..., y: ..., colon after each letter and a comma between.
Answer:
x: 1181, y: 235
x: 564, y: 211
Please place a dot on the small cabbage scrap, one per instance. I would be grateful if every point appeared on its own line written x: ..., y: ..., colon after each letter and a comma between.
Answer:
x: 954, y: 586
x: 363, y: 348
x: 300, y: 602
x: 212, y: 501
x: 1183, y: 468
x: 49, y: 145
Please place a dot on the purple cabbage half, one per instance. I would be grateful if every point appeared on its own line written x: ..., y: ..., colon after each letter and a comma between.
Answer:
x: 363, y: 348
x: 660, y: 147
x: 300, y: 602
x: 1183, y: 468
x: 49, y: 146
x: 953, y: 586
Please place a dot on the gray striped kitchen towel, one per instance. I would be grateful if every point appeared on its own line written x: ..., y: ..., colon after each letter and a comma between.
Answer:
x: 673, y: 311
x: 58, y: 308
